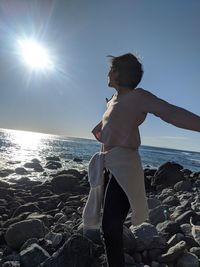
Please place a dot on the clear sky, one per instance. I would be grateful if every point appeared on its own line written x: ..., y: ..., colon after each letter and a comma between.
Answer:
x: 79, y: 35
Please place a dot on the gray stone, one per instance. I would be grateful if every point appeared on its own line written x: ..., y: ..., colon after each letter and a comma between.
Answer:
x: 143, y: 234
x: 21, y: 170
x: 55, y: 238
x: 17, y: 233
x: 183, y: 186
x: 169, y: 227
x: 31, y: 207
x: 173, y: 253
x: 196, y: 251
x: 76, y: 251
x: 158, y: 214
x: 153, y: 202
x: 33, y: 255
x: 188, y: 260
x: 64, y: 183
x: 186, y: 229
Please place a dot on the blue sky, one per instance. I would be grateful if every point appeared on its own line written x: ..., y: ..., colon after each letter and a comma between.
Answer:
x: 79, y: 35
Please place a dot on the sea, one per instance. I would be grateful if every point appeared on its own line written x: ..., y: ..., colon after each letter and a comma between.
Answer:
x: 19, y: 147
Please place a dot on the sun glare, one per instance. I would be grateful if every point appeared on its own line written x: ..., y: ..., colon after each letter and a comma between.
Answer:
x: 35, y: 55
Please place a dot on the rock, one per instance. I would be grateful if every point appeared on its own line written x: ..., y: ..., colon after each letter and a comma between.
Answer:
x: 143, y: 234
x: 153, y: 202
x: 55, y: 238
x: 45, y: 218
x: 21, y: 170
x: 54, y: 158
x: 31, y: 207
x: 186, y: 229
x: 53, y: 165
x: 11, y: 264
x: 73, y: 172
x: 77, y: 160
x: 183, y: 186
x: 171, y: 201
x: 196, y: 251
x: 64, y: 183
x: 173, y: 253
x: 195, y: 231
x: 166, y: 193
x: 32, y: 165
x: 168, y: 227
x: 19, y: 232
x: 190, y: 242
x: 154, y: 253
x: 167, y: 174
x: 33, y: 255
x: 76, y: 251
x: 6, y: 191
x: 185, y: 217
x: 158, y: 214
x: 188, y: 259
x: 28, y: 243
x: 5, y: 172
x: 4, y: 184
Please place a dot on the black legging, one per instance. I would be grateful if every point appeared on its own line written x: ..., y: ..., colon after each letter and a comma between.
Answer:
x: 116, y: 208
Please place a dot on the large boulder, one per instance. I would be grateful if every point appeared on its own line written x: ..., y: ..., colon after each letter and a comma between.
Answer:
x: 64, y: 183
x: 19, y: 232
x: 167, y: 174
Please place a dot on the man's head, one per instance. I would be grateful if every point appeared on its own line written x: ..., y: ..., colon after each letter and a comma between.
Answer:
x: 125, y: 71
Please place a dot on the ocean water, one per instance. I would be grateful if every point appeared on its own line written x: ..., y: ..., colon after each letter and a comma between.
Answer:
x: 19, y: 147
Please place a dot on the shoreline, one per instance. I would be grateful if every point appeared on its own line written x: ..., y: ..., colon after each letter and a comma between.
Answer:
x: 43, y: 218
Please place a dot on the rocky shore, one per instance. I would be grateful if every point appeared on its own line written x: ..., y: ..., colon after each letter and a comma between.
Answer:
x: 41, y: 224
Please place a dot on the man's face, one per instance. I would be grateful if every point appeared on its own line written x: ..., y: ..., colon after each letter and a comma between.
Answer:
x: 112, y: 77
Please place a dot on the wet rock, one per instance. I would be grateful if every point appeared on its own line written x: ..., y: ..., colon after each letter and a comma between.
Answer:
x: 53, y: 165
x: 188, y: 259
x: 6, y: 172
x: 77, y: 160
x: 33, y: 255
x: 18, y: 233
x: 54, y: 158
x: 171, y: 201
x: 6, y: 191
x: 4, y: 184
x: 21, y: 170
x: 32, y: 165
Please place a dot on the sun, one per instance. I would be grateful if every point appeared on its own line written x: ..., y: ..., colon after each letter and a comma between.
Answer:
x: 34, y: 54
